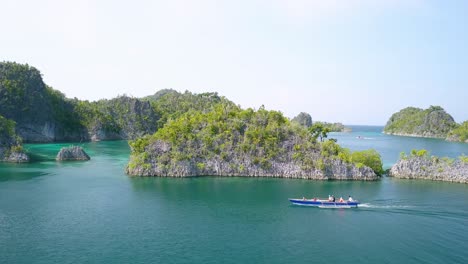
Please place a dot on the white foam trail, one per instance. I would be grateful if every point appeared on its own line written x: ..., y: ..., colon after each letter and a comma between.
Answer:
x: 368, y: 205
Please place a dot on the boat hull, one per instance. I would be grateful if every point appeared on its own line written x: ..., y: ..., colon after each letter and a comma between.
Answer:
x: 324, y: 203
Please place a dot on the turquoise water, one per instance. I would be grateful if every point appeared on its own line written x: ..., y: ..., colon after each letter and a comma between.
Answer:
x: 91, y: 212
x: 390, y: 147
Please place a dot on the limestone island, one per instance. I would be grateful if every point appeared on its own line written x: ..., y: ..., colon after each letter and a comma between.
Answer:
x: 433, y: 122
x: 73, y: 153
x: 419, y: 165
x: 229, y: 141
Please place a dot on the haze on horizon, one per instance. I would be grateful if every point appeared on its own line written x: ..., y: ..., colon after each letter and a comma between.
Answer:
x: 355, y: 61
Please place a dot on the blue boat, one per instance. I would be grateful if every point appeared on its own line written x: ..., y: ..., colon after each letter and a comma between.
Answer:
x: 324, y: 203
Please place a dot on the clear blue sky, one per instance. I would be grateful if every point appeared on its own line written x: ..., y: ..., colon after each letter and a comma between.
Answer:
x: 354, y: 61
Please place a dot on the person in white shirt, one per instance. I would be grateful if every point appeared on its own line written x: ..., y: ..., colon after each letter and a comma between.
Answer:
x: 350, y: 199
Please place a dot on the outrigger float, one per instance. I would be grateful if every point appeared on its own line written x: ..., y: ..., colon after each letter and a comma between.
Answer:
x: 321, y: 203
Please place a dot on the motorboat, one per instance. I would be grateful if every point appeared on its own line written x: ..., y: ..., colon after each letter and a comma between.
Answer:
x: 324, y: 203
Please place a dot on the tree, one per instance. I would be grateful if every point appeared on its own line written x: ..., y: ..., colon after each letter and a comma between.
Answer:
x: 371, y: 158
x: 319, y: 131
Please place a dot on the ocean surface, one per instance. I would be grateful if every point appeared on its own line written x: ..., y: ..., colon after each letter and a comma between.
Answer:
x: 91, y: 212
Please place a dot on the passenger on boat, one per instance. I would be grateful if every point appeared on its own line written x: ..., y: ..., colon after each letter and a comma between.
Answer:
x: 333, y: 198
x: 330, y: 199
x: 315, y: 199
x: 350, y: 199
x: 341, y: 200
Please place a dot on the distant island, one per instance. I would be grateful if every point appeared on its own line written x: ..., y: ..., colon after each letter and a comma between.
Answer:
x: 304, y: 119
x: 433, y: 122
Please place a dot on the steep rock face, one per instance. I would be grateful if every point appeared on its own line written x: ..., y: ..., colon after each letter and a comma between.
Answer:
x: 433, y: 122
x: 71, y: 154
x: 431, y: 169
x: 236, y: 164
x: 120, y: 118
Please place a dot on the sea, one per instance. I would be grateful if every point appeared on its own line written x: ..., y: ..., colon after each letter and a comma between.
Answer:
x: 91, y: 212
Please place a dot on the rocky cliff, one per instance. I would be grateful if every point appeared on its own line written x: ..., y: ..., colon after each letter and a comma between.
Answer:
x: 431, y: 168
x: 119, y: 118
x: 433, y: 122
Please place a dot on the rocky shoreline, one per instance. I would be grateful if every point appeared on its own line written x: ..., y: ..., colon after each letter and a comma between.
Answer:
x: 283, y: 166
x: 431, y: 168
x: 217, y: 167
x: 413, y: 135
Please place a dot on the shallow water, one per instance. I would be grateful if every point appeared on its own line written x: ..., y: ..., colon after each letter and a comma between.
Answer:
x: 91, y: 212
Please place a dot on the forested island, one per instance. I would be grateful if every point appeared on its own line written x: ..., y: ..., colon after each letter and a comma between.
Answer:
x: 230, y: 141
x: 433, y: 122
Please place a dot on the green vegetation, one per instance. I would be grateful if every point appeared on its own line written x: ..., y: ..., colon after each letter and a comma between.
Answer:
x: 319, y: 131
x: 463, y: 158
x: 431, y: 122
x: 9, y: 141
x: 7, y: 130
x: 419, y: 153
x: 370, y: 158
x: 422, y: 153
x: 225, y: 132
x: 125, y: 116
x: 169, y: 104
x: 20, y: 86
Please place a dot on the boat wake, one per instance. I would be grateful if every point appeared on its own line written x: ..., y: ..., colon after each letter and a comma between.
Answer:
x: 377, y: 206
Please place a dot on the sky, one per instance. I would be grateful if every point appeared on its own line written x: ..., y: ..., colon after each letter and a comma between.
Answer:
x: 350, y: 61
